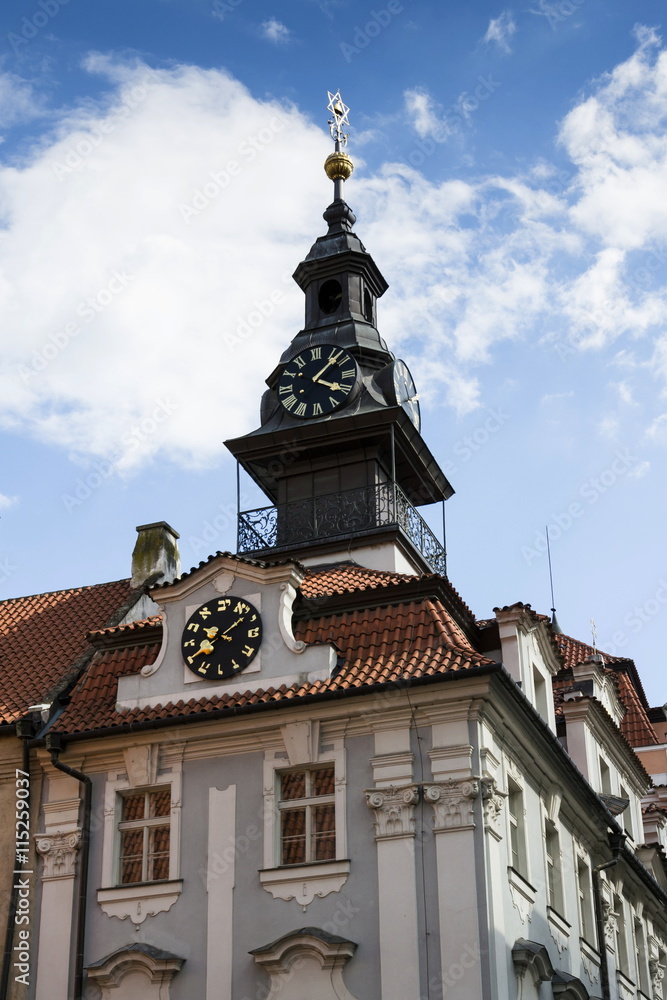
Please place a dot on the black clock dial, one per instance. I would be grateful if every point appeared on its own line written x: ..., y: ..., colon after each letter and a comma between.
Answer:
x: 221, y: 638
x: 405, y: 392
x: 317, y: 381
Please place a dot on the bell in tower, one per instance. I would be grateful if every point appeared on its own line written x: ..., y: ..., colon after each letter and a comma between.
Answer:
x: 339, y: 452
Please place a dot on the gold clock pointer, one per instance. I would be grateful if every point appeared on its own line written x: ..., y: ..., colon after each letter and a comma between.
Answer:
x: 233, y: 625
x: 206, y: 645
x: 331, y: 360
x: 330, y: 385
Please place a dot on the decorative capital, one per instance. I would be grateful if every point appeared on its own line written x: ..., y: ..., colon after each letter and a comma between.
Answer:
x: 657, y: 976
x: 452, y: 801
x: 394, y: 810
x: 492, y: 798
x: 59, y: 853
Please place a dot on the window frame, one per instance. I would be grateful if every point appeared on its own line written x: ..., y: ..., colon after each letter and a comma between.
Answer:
x: 146, y: 823
x: 554, y: 867
x: 117, y: 784
x: 308, y: 803
x: 274, y: 764
x: 516, y: 820
x: 585, y: 901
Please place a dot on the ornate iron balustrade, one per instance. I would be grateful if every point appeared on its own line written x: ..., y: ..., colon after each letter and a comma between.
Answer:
x: 347, y: 513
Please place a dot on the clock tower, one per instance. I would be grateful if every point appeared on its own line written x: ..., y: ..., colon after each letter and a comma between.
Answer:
x: 339, y: 452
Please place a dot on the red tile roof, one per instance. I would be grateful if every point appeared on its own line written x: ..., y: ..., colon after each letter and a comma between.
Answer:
x: 403, y: 642
x: 43, y: 636
x: 347, y: 577
x: 635, y: 724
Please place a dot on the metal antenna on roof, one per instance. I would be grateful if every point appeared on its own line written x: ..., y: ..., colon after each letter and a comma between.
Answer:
x: 554, y: 621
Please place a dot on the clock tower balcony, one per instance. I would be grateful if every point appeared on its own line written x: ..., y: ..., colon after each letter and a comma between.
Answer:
x: 365, y: 514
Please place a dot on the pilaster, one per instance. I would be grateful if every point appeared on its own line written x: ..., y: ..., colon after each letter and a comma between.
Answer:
x: 392, y: 802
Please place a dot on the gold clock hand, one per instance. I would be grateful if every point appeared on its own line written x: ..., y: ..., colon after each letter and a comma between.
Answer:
x: 329, y: 385
x: 331, y: 360
x: 224, y: 634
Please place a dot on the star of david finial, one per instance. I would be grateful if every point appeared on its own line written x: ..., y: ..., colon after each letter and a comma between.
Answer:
x: 340, y: 111
x: 594, y: 633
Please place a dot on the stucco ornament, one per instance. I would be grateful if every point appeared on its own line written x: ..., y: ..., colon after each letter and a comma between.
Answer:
x: 609, y: 918
x: 138, y: 970
x: 307, y: 963
x: 657, y: 977
x: 285, y: 619
x: 492, y: 798
x: 394, y: 810
x: 452, y: 802
x: 59, y: 853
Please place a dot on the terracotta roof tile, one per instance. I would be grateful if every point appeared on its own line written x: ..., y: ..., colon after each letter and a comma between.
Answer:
x: 635, y: 724
x: 347, y: 577
x: 406, y: 641
x: 42, y: 636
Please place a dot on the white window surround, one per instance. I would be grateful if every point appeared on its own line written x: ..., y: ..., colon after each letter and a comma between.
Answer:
x: 318, y: 878
x: 139, y: 900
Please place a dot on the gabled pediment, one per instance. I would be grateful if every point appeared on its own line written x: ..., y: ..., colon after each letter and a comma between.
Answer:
x: 227, y: 628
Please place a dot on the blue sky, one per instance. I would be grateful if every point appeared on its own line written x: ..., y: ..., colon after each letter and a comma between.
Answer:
x: 160, y: 178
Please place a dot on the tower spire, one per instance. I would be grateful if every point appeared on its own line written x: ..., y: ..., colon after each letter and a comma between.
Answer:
x: 338, y: 166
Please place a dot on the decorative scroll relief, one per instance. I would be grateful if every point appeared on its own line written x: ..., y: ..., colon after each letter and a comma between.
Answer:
x: 452, y: 802
x: 492, y: 798
x: 285, y: 619
x: 559, y: 930
x: 59, y: 853
x: 590, y: 961
x: 394, y: 810
x: 140, y: 901
x: 305, y: 882
x: 523, y: 895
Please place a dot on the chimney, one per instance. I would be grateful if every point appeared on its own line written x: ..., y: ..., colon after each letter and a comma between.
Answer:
x: 155, y: 551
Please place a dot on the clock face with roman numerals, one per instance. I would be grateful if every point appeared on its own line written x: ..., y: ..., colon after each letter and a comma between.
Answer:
x: 221, y: 638
x: 317, y: 381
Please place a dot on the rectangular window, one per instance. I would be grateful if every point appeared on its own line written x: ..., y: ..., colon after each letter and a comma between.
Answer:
x: 145, y: 829
x: 517, y: 828
x: 554, y: 871
x: 605, y: 778
x: 307, y: 816
x: 541, y: 697
x: 585, y: 901
x: 621, y: 942
x: 627, y: 813
x: 642, y: 962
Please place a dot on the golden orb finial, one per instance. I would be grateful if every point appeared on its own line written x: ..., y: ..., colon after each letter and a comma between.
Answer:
x: 338, y: 166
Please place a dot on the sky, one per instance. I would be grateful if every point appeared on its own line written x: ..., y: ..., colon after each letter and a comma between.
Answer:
x: 160, y: 179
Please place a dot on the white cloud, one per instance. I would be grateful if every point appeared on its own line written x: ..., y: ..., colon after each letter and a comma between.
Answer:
x: 500, y: 30
x: 422, y: 112
x: 18, y: 102
x: 162, y: 256
x: 276, y: 32
x: 6, y: 502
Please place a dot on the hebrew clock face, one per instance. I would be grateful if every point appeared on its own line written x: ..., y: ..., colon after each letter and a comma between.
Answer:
x: 405, y: 392
x: 317, y: 381
x: 221, y: 638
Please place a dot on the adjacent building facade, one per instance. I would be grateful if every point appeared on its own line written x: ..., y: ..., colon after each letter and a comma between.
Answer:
x: 305, y: 770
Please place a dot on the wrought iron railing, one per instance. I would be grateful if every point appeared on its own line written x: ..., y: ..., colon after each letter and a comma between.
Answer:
x: 338, y: 514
